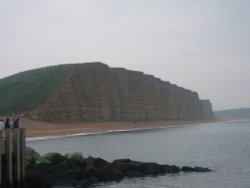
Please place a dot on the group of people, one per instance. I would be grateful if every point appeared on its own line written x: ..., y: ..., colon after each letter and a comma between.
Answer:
x: 9, y: 124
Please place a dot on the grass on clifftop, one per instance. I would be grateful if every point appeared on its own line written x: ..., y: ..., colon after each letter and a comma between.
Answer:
x: 27, y: 89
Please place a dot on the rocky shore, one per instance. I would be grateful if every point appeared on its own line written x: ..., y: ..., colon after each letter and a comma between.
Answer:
x: 54, y: 170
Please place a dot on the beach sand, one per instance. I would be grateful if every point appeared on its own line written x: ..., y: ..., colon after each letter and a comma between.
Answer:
x: 42, y: 129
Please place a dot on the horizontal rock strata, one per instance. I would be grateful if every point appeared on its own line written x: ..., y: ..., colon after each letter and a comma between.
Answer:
x: 96, y: 92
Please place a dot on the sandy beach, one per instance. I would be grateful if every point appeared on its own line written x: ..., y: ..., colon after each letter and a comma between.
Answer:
x: 41, y: 129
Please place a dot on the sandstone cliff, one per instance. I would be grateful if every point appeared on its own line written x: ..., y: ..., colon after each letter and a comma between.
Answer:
x: 96, y: 92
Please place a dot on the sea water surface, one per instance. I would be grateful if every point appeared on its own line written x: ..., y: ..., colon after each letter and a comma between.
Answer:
x: 222, y: 147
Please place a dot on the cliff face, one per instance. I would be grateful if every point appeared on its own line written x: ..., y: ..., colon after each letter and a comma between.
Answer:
x: 95, y: 92
x: 206, y: 107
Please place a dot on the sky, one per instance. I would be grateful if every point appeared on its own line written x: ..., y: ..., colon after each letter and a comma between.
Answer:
x: 201, y: 45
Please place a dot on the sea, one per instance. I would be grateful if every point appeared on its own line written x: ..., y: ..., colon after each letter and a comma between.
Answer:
x: 223, y: 147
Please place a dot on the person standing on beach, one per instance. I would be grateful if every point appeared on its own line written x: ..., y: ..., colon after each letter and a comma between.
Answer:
x: 16, y: 123
x: 7, y: 123
x: 12, y: 122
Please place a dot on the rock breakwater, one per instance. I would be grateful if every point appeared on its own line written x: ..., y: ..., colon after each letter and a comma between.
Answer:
x: 54, y: 170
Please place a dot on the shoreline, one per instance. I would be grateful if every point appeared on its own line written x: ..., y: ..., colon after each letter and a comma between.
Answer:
x: 36, y: 130
x: 42, y: 130
x: 110, y: 132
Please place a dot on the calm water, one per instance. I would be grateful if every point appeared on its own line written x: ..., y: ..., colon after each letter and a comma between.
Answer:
x: 222, y: 147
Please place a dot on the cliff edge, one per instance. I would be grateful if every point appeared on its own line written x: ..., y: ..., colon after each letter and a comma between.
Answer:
x: 96, y: 92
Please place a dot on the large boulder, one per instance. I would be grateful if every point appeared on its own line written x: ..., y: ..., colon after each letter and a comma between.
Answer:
x: 126, y: 164
x: 50, y: 159
x: 171, y: 169
x: 65, y: 183
x: 35, y: 178
x: 58, y: 169
x: 75, y: 173
x: 84, y: 183
x: 99, y: 162
x: 31, y: 153
x: 90, y: 172
x: 31, y: 156
x: 111, y: 173
x: 46, y: 163
x: 154, y: 169
x: 75, y: 159
x: 201, y: 169
x: 90, y: 161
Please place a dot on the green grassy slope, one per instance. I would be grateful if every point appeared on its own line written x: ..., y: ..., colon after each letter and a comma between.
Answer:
x: 234, y: 113
x: 27, y: 89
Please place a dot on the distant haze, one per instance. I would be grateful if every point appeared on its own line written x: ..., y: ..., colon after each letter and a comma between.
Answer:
x: 200, y: 45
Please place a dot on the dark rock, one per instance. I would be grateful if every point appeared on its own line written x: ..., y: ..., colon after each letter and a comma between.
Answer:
x: 171, y: 169
x: 45, y: 162
x: 31, y: 156
x: 65, y: 183
x: 99, y: 162
x: 195, y: 169
x: 75, y: 159
x: 93, y: 172
x: 37, y: 179
x: 85, y: 183
x: 33, y: 179
x: 187, y: 169
x: 62, y: 186
x: 125, y: 164
x: 72, y: 174
x: 90, y: 161
x: 31, y: 153
x: 145, y: 168
x: 110, y: 173
x: 59, y: 168
x: 72, y: 170
x: 154, y: 169
x: 117, y: 175
x: 117, y: 161
x: 201, y: 169
x: 50, y: 159
x: 107, y: 173
x: 94, y: 180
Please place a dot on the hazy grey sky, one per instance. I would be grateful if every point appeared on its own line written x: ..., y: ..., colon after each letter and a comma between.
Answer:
x: 202, y: 45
